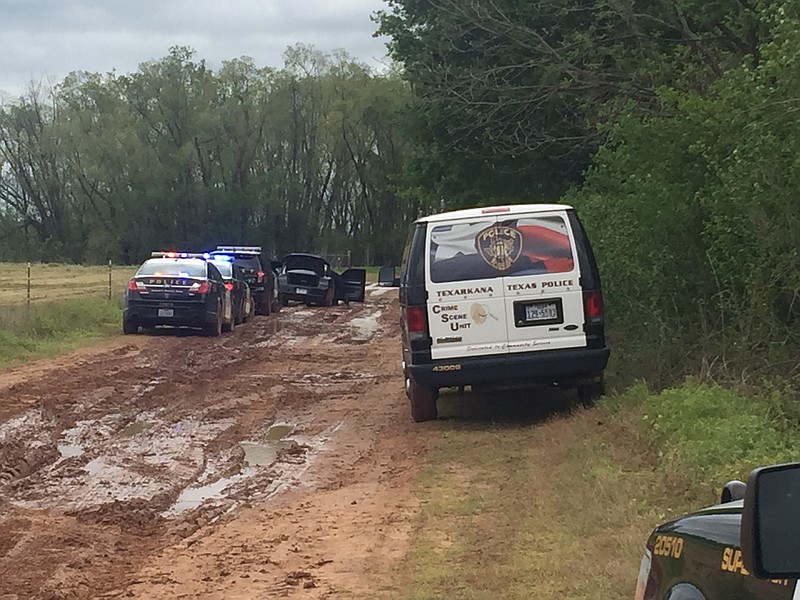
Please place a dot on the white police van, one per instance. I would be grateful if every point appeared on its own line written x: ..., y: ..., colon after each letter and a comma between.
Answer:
x: 500, y: 296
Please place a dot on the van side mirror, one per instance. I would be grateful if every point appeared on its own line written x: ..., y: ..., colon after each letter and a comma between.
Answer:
x: 770, y: 530
x: 387, y: 277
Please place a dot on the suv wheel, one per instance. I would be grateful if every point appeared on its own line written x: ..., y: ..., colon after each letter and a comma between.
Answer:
x: 422, y: 400
x: 264, y: 305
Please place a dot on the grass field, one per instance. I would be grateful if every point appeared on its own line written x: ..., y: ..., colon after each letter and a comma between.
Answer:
x: 60, y: 282
x: 69, y: 308
x: 518, y: 503
x: 521, y: 506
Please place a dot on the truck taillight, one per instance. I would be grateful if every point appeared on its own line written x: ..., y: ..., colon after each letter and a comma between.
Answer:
x: 593, y: 304
x: 200, y: 287
x: 416, y: 322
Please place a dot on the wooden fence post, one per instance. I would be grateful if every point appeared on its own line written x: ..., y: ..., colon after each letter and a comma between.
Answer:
x: 109, y: 279
x: 28, y: 296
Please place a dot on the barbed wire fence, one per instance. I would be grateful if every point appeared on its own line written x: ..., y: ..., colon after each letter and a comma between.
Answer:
x: 29, y: 283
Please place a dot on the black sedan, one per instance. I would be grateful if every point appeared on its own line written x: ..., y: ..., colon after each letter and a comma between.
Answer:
x: 180, y: 290
x: 236, y: 283
x: 746, y: 548
x: 310, y: 279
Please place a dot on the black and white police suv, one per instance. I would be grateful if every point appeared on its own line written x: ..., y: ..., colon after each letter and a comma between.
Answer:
x: 745, y: 548
x: 500, y: 296
x: 178, y: 289
x: 258, y: 272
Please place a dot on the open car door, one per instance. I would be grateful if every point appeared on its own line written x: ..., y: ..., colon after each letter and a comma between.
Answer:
x: 353, y: 285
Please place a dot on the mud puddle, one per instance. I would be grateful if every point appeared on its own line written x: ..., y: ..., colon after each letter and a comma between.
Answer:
x: 268, y: 467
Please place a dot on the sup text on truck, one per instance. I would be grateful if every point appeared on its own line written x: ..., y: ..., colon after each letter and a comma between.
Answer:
x: 745, y: 548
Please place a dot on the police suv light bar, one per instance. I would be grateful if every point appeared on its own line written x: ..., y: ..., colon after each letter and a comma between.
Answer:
x: 239, y: 248
x: 177, y: 255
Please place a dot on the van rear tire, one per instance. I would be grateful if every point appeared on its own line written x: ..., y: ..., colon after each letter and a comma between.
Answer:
x: 588, y: 394
x: 423, y: 401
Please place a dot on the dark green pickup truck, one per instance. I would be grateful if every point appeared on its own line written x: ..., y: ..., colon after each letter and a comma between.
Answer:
x: 746, y: 548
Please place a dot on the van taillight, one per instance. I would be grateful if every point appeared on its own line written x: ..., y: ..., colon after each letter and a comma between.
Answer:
x: 415, y: 318
x: 593, y: 304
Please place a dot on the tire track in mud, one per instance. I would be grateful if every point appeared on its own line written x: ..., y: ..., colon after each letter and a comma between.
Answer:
x: 141, y: 447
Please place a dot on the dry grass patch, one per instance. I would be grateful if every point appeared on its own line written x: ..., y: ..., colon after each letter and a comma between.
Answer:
x: 556, y: 508
x: 59, y: 281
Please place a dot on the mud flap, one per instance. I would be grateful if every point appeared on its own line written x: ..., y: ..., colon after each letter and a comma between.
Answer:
x: 353, y: 285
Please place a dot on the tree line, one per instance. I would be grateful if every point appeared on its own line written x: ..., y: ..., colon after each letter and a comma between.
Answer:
x: 305, y: 158
x: 670, y: 124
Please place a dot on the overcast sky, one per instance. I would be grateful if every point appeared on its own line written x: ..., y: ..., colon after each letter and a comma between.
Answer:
x: 47, y: 39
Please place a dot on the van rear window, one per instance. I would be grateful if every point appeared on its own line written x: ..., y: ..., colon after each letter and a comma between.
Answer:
x: 485, y: 249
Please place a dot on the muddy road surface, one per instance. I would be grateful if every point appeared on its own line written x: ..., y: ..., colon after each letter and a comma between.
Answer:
x: 274, y: 461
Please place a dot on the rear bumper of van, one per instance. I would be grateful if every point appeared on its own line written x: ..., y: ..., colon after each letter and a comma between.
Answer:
x: 559, y: 367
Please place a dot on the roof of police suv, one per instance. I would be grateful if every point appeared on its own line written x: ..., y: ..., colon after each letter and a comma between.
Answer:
x: 493, y: 211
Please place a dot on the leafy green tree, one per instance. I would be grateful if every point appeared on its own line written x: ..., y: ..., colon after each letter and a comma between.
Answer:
x: 176, y: 155
x: 515, y: 92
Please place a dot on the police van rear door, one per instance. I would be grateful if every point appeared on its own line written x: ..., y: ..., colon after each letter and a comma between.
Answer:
x: 543, y: 295
x: 466, y: 308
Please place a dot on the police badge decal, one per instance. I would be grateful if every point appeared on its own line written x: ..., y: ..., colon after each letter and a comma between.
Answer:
x: 500, y: 246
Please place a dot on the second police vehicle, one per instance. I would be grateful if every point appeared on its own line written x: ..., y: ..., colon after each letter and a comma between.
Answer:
x: 259, y: 272
x: 236, y: 282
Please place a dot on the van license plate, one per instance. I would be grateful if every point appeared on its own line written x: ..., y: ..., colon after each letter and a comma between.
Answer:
x: 541, y: 312
x: 166, y: 312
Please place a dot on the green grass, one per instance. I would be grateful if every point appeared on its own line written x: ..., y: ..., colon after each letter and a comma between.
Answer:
x: 560, y: 508
x: 48, y: 328
x: 557, y: 509
x: 709, y: 431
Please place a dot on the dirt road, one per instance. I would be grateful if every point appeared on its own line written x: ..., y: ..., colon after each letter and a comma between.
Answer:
x: 275, y: 461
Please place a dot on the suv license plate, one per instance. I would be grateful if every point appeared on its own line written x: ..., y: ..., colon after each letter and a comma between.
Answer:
x: 166, y: 312
x: 541, y: 312
x: 301, y: 291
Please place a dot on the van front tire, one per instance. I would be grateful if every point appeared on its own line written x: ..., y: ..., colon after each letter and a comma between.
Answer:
x: 422, y: 400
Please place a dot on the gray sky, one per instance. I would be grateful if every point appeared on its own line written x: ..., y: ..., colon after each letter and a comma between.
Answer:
x: 47, y: 39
